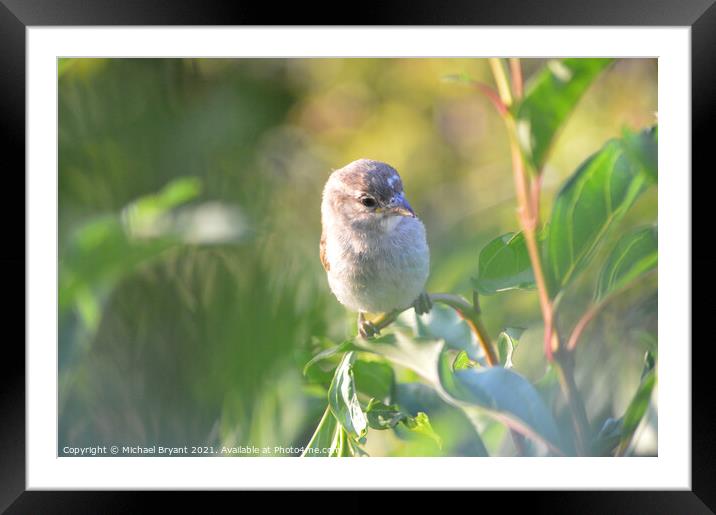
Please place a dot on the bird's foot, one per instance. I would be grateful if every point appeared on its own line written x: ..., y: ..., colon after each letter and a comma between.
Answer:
x: 366, y: 328
x: 423, y: 304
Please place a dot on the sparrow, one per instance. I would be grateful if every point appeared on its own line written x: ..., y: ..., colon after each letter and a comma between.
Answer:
x: 373, y: 246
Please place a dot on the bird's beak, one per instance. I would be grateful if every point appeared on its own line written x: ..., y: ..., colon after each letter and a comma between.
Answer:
x: 400, y: 206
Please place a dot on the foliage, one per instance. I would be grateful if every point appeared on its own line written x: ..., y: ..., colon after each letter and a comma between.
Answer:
x: 191, y: 297
x: 504, y: 265
x: 549, y: 99
x: 596, y: 197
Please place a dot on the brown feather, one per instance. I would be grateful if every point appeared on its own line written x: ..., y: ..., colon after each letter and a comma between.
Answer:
x: 324, y: 259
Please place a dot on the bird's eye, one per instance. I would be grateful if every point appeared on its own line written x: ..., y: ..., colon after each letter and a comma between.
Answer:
x: 368, y: 202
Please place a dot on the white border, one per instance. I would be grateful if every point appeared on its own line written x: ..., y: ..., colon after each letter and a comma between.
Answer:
x: 672, y: 467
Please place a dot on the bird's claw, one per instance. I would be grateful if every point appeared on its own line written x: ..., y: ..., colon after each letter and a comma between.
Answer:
x: 366, y: 328
x: 423, y: 304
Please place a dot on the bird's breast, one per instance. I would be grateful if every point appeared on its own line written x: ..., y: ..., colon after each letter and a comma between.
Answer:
x: 378, y: 272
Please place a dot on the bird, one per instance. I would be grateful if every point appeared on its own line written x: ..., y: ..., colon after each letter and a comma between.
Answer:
x: 373, y: 247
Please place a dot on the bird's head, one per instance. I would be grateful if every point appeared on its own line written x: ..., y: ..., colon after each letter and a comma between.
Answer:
x: 365, y: 194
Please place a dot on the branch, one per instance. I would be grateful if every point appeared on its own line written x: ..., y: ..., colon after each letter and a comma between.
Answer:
x: 593, y: 311
x: 469, y: 313
x: 528, y: 199
x: 516, y: 73
x: 564, y: 364
x: 501, y: 80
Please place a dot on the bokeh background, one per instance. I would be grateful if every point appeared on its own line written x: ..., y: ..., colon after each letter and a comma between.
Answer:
x: 191, y: 293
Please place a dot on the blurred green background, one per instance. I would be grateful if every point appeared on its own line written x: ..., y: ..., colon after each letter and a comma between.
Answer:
x: 191, y: 293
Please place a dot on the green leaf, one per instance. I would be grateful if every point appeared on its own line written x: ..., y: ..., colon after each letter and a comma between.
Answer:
x: 648, y: 340
x: 649, y: 364
x: 101, y: 252
x: 441, y: 323
x: 421, y: 425
x: 381, y: 416
x: 355, y: 450
x: 326, y: 438
x: 620, y: 431
x: 549, y: 99
x: 414, y: 398
x: 504, y: 265
x: 416, y: 353
x: 503, y: 395
x: 462, y: 361
x: 642, y: 148
x: 507, y: 343
x: 608, y: 437
x: 373, y: 378
x: 328, y: 353
x: 633, y: 255
x: 494, y: 391
x: 637, y: 408
x: 343, y: 399
x: 595, y: 197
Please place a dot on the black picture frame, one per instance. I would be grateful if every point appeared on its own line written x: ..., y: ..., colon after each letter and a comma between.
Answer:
x: 17, y: 15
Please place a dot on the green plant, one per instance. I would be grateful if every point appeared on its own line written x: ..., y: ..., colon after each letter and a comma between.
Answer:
x: 450, y: 350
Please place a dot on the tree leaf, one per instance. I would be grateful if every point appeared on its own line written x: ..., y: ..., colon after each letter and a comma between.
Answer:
x: 325, y: 440
x: 503, y: 395
x: 416, y: 353
x: 608, y: 437
x: 105, y: 249
x: 354, y: 449
x: 497, y: 392
x: 414, y: 398
x: 637, y: 409
x: 633, y: 255
x: 442, y: 323
x: 504, y: 265
x: 595, y: 197
x: 381, y: 416
x: 327, y: 353
x: 549, y: 99
x: 421, y: 425
x: 462, y: 361
x: 343, y: 399
x: 642, y: 148
x: 507, y: 343
x: 373, y: 378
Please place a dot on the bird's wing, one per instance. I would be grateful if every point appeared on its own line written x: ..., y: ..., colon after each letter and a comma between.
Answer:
x: 324, y: 258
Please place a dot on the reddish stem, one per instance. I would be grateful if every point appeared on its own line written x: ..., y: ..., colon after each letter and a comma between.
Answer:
x: 492, y: 95
x: 582, y: 325
x: 516, y: 72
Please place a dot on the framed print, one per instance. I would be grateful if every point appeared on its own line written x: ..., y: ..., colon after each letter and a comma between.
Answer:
x: 456, y: 255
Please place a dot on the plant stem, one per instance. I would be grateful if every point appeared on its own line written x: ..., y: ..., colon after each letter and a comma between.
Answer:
x: 473, y: 319
x: 493, y: 96
x: 564, y: 363
x: 591, y: 313
x: 501, y: 80
x: 581, y: 325
x: 528, y: 198
x: 467, y: 311
x: 516, y: 73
